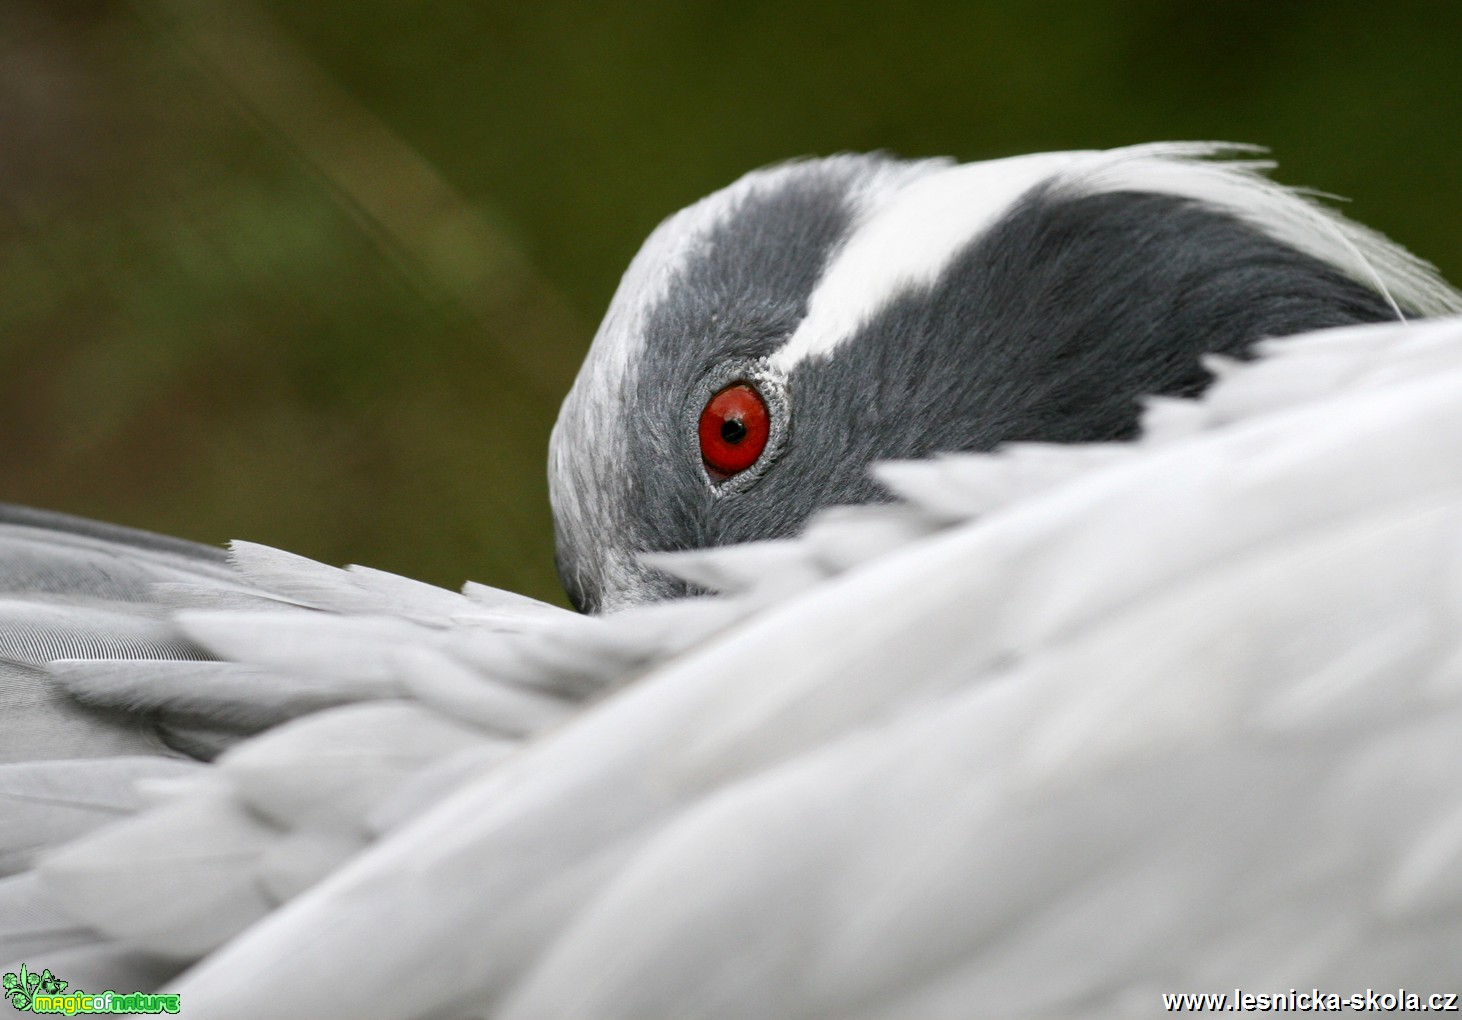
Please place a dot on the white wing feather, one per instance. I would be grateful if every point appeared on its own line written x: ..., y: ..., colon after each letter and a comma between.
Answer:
x: 1067, y: 728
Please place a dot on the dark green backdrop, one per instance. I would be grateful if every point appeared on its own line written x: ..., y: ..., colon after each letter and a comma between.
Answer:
x: 318, y: 274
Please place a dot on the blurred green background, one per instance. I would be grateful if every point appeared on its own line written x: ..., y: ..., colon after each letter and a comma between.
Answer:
x: 319, y: 274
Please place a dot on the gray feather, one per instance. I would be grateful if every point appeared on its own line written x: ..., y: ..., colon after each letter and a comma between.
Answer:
x: 43, y: 804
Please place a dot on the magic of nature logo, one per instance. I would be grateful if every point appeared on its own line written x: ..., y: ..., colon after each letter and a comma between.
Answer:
x: 43, y: 992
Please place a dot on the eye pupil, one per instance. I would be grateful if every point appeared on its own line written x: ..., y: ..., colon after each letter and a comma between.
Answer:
x: 733, y: 430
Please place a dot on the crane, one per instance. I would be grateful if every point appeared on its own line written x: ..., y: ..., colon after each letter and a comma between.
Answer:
x: 1022, y: 588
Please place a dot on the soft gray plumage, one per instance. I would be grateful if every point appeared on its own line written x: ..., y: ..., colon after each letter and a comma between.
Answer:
x: 1059, y: 728
x: 893, y: 309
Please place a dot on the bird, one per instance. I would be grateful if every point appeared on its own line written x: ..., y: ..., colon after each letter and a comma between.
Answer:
x: 1017, y: 588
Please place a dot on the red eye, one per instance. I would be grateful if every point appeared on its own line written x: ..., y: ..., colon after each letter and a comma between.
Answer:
x: 733, y: 430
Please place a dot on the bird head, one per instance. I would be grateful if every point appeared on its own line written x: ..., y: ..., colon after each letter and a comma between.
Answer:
x: 771, y: 341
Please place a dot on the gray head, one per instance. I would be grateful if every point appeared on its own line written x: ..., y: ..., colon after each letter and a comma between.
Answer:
x: 880, y: 309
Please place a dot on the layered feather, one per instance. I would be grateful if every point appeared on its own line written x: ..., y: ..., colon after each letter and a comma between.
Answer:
x: 1180, y: 713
